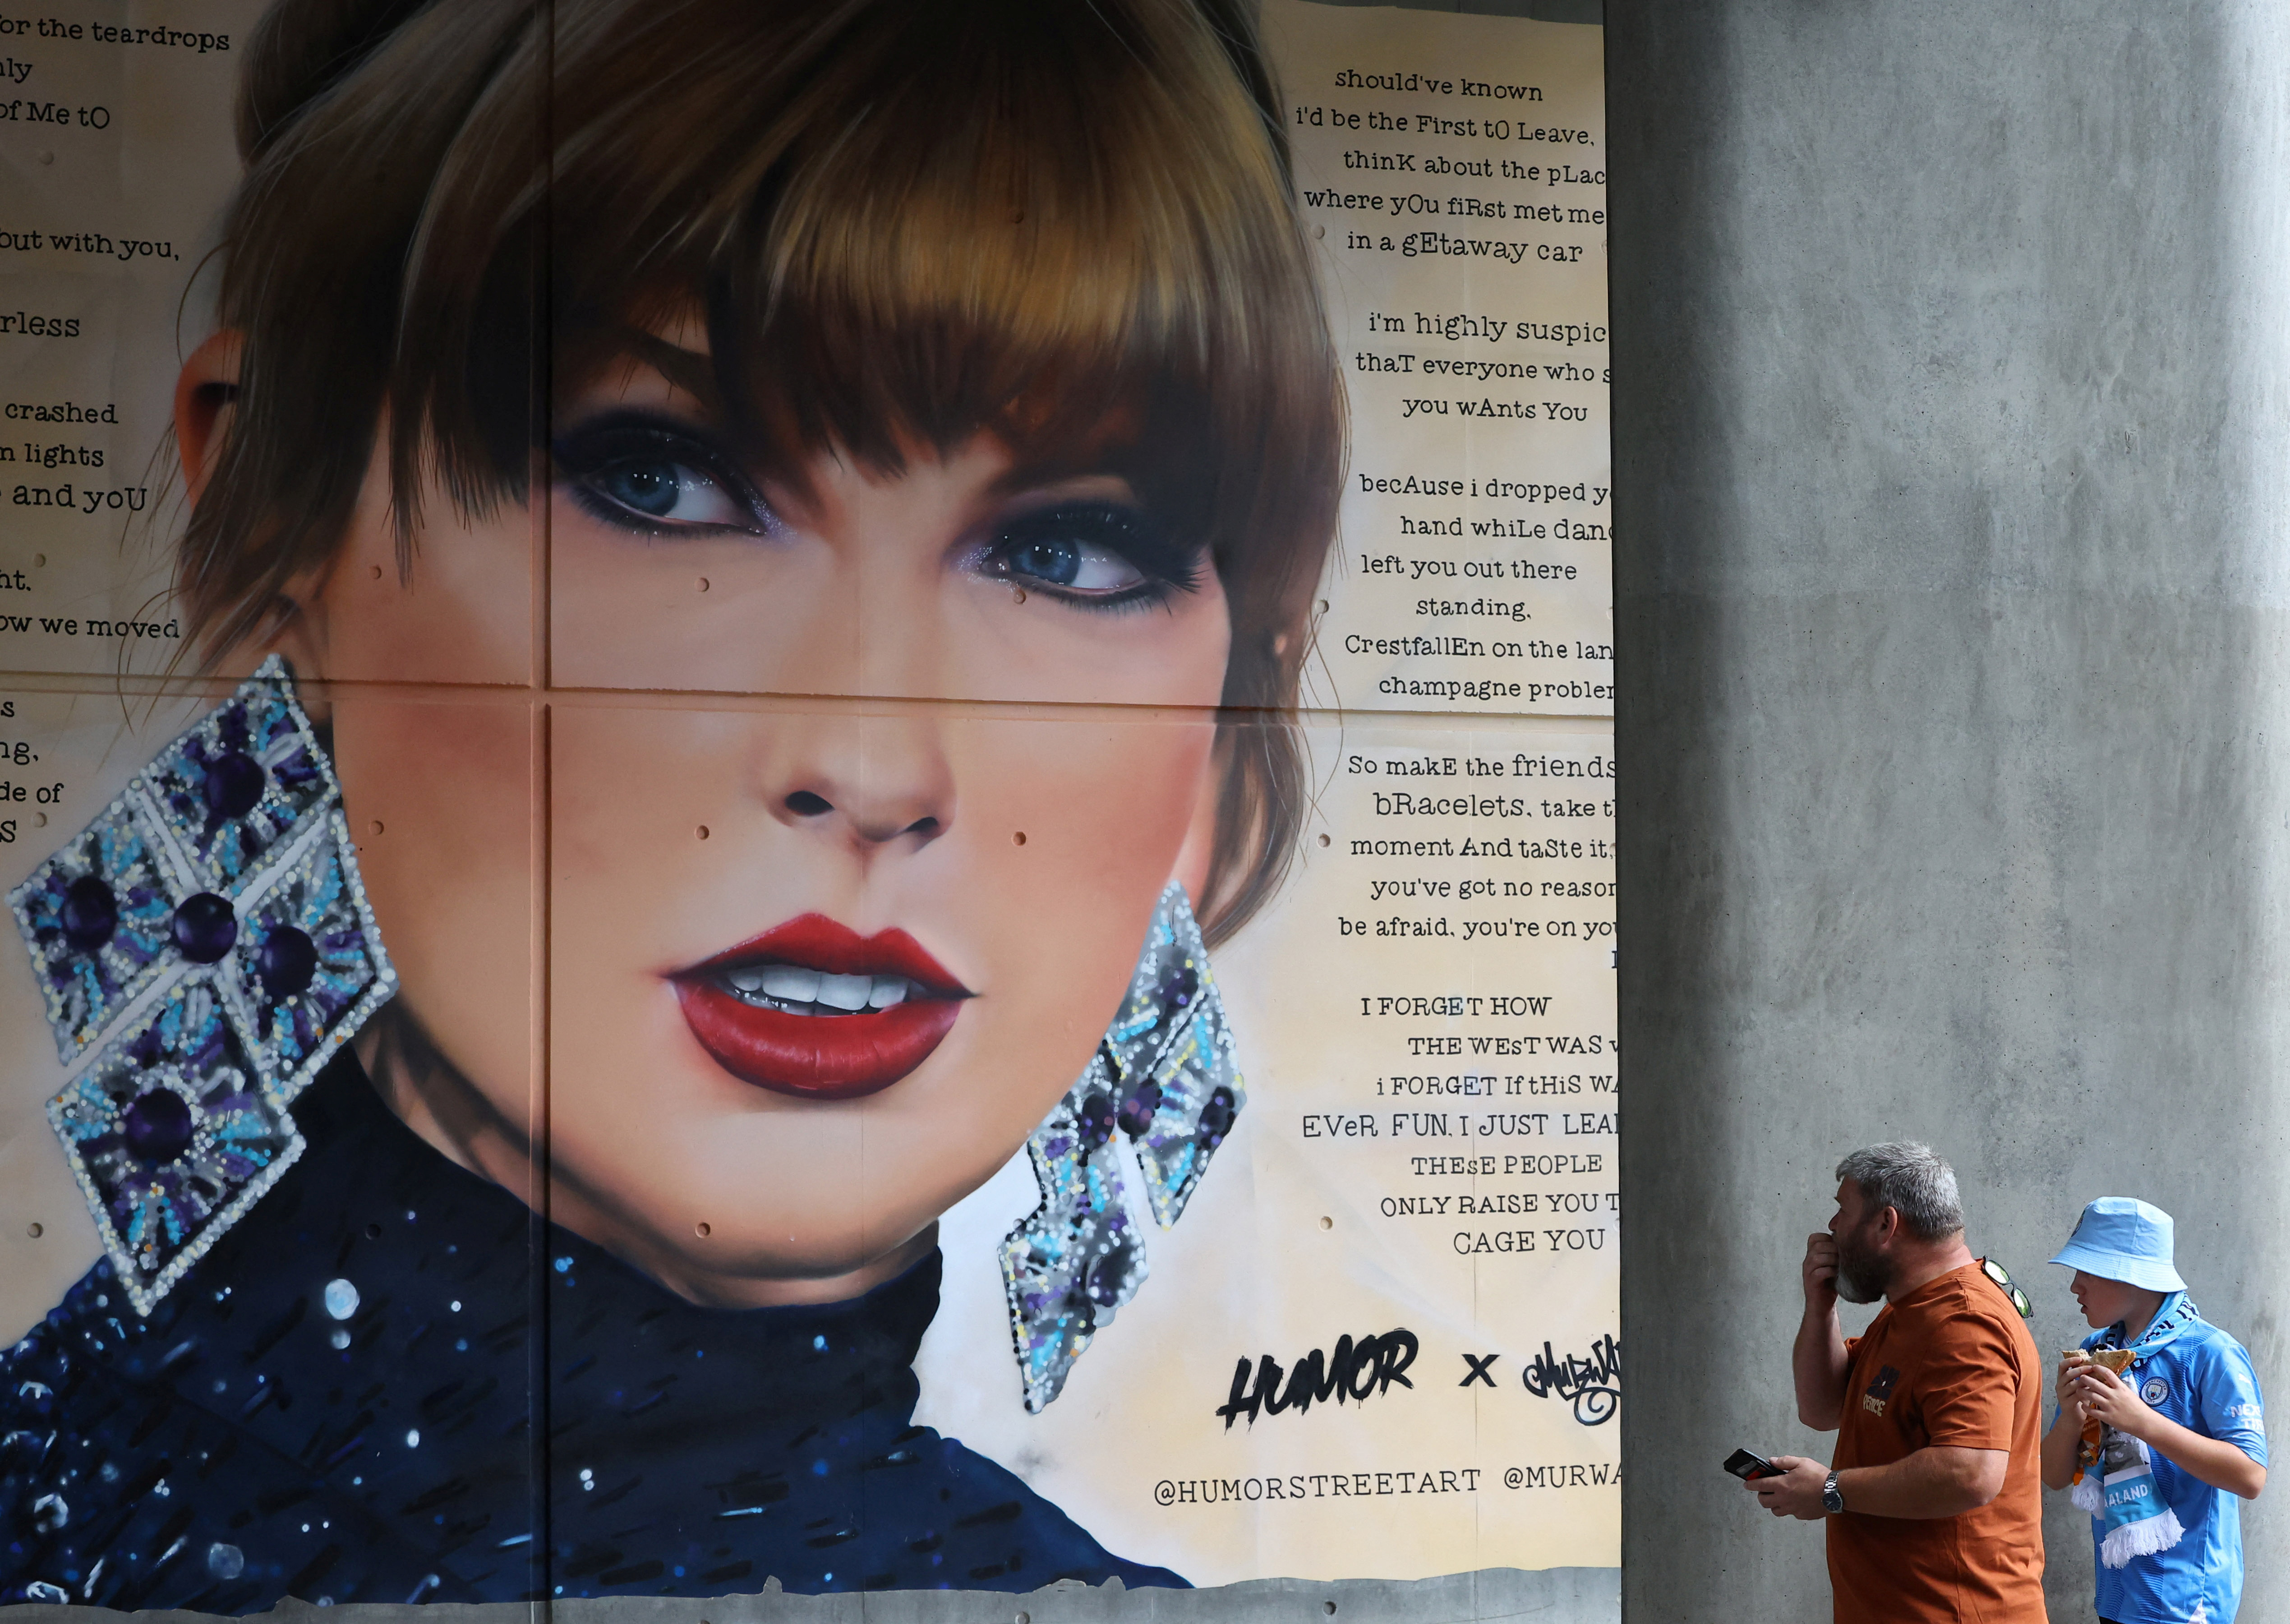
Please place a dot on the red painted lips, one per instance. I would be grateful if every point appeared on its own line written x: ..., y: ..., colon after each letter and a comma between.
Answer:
x: 829, y: 1056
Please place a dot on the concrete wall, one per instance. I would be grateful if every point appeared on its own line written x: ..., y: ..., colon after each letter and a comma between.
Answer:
x: 1949, y: 443
x: 1557, y: 1595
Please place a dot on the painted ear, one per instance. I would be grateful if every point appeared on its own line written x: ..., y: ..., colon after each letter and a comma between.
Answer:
x: 1192, y: 867
x: 206, y: 398
x: 205, y: 391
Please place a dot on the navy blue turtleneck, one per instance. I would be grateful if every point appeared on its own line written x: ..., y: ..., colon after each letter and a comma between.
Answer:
x: 392, y: 1382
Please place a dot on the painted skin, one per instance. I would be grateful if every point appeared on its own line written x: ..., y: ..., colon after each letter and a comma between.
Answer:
x: 1092, y: 654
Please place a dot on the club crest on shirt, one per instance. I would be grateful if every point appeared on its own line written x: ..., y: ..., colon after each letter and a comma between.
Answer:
x: 2156, y: 1390
x: 1880, y: 1390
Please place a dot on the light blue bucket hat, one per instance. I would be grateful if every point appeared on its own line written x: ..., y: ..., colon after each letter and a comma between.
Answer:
x: 2121, y: 1238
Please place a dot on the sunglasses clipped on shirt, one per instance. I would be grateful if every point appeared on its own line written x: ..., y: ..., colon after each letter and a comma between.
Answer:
x: 1995, y: 1271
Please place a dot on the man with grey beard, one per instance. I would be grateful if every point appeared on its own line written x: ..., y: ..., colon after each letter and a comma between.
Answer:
x: 1933, y: 1500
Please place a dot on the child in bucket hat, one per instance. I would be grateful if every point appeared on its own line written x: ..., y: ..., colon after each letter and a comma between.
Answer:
x: 2181, y: 1432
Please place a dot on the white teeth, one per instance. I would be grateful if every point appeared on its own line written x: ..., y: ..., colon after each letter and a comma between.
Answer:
x: 814, y: 992
x: 791, y: 982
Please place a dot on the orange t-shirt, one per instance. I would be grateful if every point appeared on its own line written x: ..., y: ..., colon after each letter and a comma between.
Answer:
x: 1951, y: 1363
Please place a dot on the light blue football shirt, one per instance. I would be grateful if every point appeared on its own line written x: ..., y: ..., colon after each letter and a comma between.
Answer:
x: 2203, y: 1380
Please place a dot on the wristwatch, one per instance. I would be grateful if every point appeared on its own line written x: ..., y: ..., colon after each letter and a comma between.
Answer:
x: 1832, y: 1498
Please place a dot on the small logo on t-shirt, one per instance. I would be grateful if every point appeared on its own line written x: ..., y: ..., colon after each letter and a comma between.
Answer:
x: 1880, y: 1390
x: 2156, y: 1390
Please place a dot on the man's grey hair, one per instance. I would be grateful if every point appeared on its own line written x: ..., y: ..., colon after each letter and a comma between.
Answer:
x: 1911, y: 1179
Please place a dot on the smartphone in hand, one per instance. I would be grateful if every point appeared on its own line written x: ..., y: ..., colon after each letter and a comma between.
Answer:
x: 1749, y: 1467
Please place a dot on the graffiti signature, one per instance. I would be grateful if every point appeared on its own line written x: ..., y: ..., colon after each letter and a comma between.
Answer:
x: 1593, y: 1382
x: 1368, y: 1366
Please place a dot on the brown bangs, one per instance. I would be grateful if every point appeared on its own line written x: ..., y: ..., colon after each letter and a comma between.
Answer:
x: 906, y: 222
x: 1062, y: 224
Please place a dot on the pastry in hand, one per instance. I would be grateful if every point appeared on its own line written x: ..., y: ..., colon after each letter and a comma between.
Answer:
x: 2116, y: 1359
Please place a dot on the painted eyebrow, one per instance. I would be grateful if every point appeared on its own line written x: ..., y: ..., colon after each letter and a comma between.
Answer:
x: 693, y: 373
x: 1024, y: 479
x: 686, y: 369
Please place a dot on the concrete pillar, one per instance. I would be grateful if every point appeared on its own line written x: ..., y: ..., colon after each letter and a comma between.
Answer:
x: 1951, y: 344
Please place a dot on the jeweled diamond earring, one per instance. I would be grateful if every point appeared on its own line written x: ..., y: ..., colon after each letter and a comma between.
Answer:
x: 202, y: 948
x: 1163, y: 1082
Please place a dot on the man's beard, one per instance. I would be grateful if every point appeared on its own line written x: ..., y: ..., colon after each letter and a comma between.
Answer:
x: 1861, y: 1275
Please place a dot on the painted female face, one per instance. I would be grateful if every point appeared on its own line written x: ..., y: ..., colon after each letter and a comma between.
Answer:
x: 815, y: 966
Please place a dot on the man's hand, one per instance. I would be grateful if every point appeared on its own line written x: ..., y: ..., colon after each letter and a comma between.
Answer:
x: 1821, y: 1271
x: 2101, y: 1394
x: 1797, y: 1492
x: 1817, y: 1359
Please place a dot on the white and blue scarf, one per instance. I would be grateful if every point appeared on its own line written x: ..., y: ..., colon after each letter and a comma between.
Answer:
x: 2122, y: 1491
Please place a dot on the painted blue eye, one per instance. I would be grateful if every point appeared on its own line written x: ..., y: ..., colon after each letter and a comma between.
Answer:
x: 657, y: 478
x: 1048, y: 561
x: 651, y: 489
x: 1101, y: 551
x: 1063, y: 561
x: 671, y: 492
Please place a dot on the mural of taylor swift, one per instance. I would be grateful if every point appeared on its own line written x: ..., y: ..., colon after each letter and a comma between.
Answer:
x: 971, y: 352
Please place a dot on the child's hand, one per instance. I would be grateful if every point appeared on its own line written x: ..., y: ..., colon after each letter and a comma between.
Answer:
x: 2071, y: 1365
x: 2104, y: 1395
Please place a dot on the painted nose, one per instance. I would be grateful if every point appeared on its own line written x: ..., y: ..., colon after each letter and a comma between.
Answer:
x: 871, y: 780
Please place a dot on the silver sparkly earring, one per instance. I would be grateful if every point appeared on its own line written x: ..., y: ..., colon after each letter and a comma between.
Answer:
x: 1164, y: 1082
x: 202, y: 948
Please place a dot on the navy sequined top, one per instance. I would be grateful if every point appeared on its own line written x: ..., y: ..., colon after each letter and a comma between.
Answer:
x: 391, y: 1381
